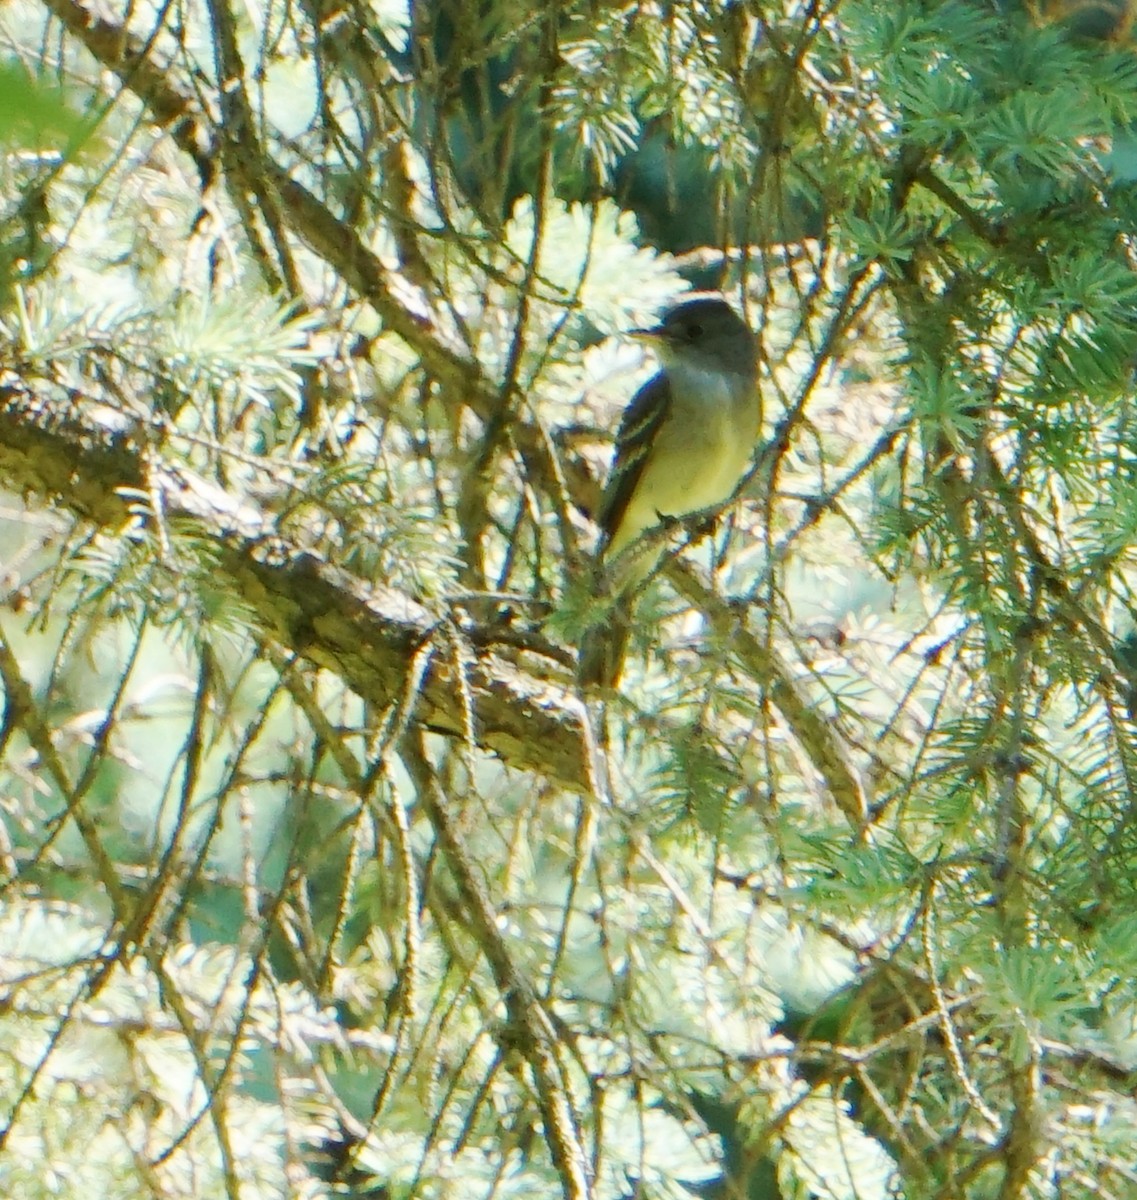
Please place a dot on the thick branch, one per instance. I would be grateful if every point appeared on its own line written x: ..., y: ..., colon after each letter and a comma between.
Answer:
x: 366, y: 634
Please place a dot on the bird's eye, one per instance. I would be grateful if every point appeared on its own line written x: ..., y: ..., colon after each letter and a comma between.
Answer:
x: 694, y: 331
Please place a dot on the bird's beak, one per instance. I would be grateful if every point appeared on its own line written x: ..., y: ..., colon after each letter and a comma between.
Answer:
x: 651, y: 336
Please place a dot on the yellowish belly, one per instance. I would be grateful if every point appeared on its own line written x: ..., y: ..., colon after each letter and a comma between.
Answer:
x: 695, y: 465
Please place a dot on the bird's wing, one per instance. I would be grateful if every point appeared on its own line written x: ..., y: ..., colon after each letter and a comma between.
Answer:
x: 641, y: 421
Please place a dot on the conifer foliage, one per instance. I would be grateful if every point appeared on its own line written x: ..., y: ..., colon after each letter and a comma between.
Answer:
x: 319, y: 875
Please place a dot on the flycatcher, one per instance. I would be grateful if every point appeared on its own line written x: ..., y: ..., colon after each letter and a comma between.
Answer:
x: 683, y: 445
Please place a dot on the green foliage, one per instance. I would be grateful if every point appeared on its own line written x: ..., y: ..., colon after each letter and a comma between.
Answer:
x: 830, y: 1156
x: 837, y: 902
x: 95, y: 1083
x: 34, y: 114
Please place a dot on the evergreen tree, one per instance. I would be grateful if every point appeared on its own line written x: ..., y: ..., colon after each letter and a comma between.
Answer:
x: 320, y: 875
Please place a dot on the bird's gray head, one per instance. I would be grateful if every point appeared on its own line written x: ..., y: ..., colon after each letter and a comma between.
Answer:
x: 705, y: 335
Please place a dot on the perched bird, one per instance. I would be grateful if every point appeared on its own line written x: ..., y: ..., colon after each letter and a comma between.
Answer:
x: 683, y: 446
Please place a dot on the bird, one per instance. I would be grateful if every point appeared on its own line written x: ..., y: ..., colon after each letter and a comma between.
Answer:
x: 683, y: 445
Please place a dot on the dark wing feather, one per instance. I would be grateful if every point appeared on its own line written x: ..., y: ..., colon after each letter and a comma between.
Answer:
x: 638, y: 427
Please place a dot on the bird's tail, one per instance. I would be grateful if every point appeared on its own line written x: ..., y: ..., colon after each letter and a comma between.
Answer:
x: 602, y: 650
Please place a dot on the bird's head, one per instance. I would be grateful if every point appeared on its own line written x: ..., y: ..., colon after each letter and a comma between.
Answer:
x: 705, y: 334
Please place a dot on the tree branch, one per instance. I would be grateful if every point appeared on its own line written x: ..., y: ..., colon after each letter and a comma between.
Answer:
x: 812, y: 730
x: 366, y: 634
x: 530, y: 1025
x: 305, y: 216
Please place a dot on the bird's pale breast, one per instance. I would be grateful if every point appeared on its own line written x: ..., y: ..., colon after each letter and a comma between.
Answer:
x: 700, y: 454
